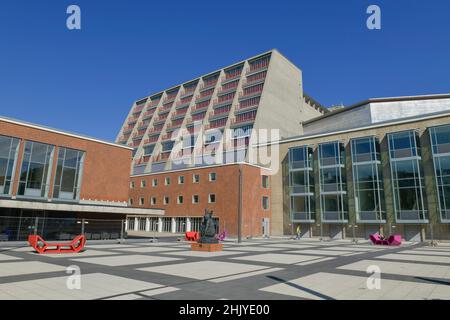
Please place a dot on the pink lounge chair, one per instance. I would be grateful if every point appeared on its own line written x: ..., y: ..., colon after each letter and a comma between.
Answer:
x: 375, y: 238
x: 221, y: 236
x: 395, y: 240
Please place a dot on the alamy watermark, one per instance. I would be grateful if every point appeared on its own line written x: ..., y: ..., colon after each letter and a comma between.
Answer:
x: 374, y: 280
x: 374, y: 20
x: 73, y: 21
x: 73, y: 281
x: 215, y: 146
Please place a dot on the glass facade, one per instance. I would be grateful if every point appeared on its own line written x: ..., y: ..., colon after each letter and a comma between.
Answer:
x: 407, y: 176
x: 9, y: 148
x: 332, y: 180
x: 301, y: 182
x: 35, y: 171
x: 68, y: 174
x: 440, y: 143
x: 367, y: 180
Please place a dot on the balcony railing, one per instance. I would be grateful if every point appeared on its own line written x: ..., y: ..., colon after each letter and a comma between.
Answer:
x: 208, y: 84
x: 256, y: 78
x: 228, y: 88
x: 148, y: 114
x: 136, y: 143
x: 198, y: 117
x: 139, y: 133
x: 143, y: 125
x: 216, y: 124
x: 200, y: 107
x: 166, y: 137
x: 150, y: 140
x: 175, y: 124
x: 251, y: 91
x: 247, y: 104
x: 223, y: 100
x: 155, y: 129
x: 181, y: 104
x: 128, y: 128
x: 154, y: 104
x: 188, y: 92
x: 161, y: 118
x: 232, y: 76
x: 258, y: 65
x: 161, y: 157
x: 139, y: 108
x: 170, y: 98
x: 251, y: 116
x: 219, y: 112
x: 164, y: 109
x: 180, y: 112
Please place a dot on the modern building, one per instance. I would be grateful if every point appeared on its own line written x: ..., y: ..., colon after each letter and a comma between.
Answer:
x: 58, y: 184
x: 382, y: 164
x: 191, y: 144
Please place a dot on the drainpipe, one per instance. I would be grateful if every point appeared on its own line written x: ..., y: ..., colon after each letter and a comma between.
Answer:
x: 240, y: 206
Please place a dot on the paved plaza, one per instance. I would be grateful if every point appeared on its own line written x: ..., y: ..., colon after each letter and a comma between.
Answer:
x: 254, y: 270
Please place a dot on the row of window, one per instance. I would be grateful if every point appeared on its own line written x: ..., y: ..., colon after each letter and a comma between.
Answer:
x: 265, y: 201
x: 167, y: 224
x: 195, y: 179
x: 36, y: 168
x: 407, y: 178
x: 180, y: 200
x: 167, y: 181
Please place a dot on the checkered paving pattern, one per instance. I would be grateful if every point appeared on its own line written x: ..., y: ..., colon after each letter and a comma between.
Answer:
x: 256, y: 270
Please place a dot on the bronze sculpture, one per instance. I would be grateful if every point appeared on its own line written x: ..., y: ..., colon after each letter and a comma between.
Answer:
x: 208, y: 228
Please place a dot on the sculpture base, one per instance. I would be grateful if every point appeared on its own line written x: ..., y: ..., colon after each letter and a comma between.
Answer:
x: 209, y: 247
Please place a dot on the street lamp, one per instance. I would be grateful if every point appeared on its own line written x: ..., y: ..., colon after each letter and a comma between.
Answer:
x: 353, y: 226
x: 292, y: 230
x: 321, y: 231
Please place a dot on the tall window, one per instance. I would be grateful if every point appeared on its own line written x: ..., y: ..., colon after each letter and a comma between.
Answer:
x: 166, y: 224
x: 333, y: 192
x: 368, y: 181
x: 265, y: 181
x: 407, y: 176
x: 180, y: 225
x: 9, y: 148
x: 195, y: 223
x: 440, y: 141
x: 301, y: 183
x: 35, y: 171
x: 68, y: 174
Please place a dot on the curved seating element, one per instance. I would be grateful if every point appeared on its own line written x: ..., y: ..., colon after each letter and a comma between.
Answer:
x: 43, y: 247
x: 221, y: 236
x: 192, y: 236
x: 394, y: 240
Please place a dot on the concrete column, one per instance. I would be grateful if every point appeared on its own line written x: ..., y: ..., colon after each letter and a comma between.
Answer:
x: 136, y: 224
x: 173, y: 226
x: 126, y: 224
x: 160, y: 224
x: 188, y: 224
x: 147, y: 224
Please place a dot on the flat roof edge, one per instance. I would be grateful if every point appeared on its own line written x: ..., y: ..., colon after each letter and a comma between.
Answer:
x: 62, y: 132
x: 76, y: 207
x: 367, y: 127
x: 378, y: 100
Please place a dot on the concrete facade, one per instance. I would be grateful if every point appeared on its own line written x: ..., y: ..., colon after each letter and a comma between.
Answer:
x: 434, y: 228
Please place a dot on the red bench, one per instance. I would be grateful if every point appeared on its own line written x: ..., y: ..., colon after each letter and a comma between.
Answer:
x: 41, y: 246
x: 192, y: 236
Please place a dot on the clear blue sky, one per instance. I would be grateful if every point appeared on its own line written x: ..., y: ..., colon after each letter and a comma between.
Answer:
x: 85, y: 81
